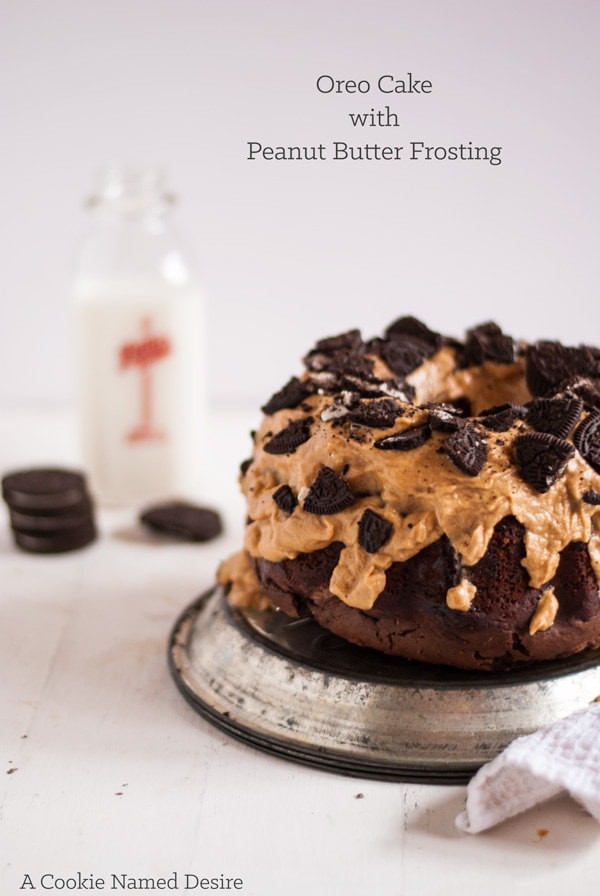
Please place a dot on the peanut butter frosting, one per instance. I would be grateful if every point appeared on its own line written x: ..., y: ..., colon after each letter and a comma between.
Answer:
x: 402, y: 466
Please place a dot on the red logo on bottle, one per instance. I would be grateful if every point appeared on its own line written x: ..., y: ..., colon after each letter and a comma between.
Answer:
x: 143, y: 354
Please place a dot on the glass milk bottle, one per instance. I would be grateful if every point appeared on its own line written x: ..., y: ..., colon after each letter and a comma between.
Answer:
x: 139, y: 345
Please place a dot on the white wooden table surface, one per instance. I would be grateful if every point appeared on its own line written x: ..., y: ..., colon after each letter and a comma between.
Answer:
x: 110, y: 782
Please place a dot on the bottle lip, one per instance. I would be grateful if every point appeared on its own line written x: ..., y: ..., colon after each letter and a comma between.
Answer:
x: 130, y: 183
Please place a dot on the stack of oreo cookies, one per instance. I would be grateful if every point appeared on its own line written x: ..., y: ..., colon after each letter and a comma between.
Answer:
x: 51, y: 510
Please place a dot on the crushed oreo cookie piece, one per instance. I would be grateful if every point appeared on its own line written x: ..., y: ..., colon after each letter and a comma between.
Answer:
x: 501, y: 417
x: 541, y: 458
x: 376, y: 414
x: 467, y: 449
x: 487, y: 342
x: 329, y: 493
x: 463, y: 405
x: 373, y: 531
x: 586, y: 388
x: 591, y: 497
x: 245, y: 464
x: 340, y: 406
x: 413, y: 327
x: 586, y: 439
x: 285, y: 499
x: 290, y: 396
x: 352, y: 363
x: 182, y: 520
x: 338, y: 353
x: 330, y: 381
x: 557, y: 416
x: 406, y: 440
x: 287, y: 440
x: 351, y: 340
x: 445, y: 417
x: 405, y: 353
x: 549, y: 364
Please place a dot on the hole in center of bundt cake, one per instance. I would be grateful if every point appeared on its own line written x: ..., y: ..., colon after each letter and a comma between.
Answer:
x: 472, y: 390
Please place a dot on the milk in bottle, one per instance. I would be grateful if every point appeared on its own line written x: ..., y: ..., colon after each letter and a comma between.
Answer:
x: 140, y: 353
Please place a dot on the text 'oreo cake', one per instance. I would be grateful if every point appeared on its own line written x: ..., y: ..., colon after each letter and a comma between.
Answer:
x: 432, y: 499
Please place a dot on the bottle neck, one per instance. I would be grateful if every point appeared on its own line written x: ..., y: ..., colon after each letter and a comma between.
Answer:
x: 127, y: 190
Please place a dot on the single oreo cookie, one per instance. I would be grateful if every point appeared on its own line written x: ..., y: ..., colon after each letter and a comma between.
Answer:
x: 78, y: 515
x: 44, y: 489
x: 58, y: 542
x: 180, y: 519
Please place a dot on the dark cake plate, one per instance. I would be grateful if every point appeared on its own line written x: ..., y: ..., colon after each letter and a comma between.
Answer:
x: 294, y: 690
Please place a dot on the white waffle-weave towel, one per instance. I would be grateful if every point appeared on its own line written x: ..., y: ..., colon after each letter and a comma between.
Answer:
x: 535, y: 767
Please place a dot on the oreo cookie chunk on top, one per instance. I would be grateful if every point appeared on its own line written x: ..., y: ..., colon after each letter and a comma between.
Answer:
x: 403, y: 353
x: 415, y: 329
x: 406, y: 440
x: 379, y: 414
x: 541, y: 458
x: 285, y: 499
x: 329, y: 493
x: 406, y: 343
x: 557, y: 415
x: 290, y: 396
x: 182, y: 520
x: 500, y: 418
x: 549, y: 364
x: 487, y: 342
x: 587, y: 439
x: 373, y: 531
x: 467, y: 449
x: 287, y: 440
x: 445, y: 417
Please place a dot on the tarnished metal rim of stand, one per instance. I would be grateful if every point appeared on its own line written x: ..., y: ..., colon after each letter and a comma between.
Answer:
x: 294, y: 690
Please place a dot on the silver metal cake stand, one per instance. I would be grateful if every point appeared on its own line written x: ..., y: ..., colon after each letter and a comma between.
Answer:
x: 292, y: 689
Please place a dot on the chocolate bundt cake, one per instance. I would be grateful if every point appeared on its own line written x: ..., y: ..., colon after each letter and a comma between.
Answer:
x: 434, y: 499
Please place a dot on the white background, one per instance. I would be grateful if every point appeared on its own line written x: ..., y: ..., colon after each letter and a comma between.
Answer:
x: 293, y: 251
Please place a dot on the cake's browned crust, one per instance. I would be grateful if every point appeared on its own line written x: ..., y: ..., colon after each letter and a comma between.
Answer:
x: 432, y: 499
